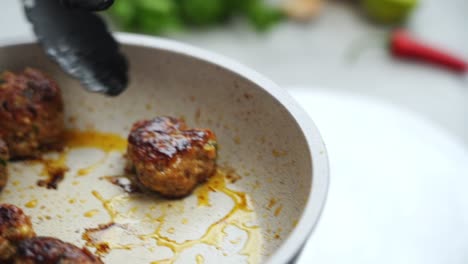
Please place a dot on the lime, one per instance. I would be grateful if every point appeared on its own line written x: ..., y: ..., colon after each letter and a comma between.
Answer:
x: 388, y: 11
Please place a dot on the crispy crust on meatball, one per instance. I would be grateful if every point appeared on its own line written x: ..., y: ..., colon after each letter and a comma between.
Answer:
x: 31, y: 113
x: 19, y: 244
x: 14, y: 224
x: 169, y: 158
x: 7, y: 250
x: 4, y: 157
x: 48, y: 250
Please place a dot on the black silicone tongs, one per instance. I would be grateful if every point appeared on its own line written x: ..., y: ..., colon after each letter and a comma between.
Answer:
x: 78, y: 40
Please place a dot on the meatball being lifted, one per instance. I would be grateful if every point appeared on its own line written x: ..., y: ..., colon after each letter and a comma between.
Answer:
x: 31, y: 113
x: 170, y: 158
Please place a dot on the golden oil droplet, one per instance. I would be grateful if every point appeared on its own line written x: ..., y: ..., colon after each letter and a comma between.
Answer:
x: 82, y: 172
x: 271, y: 203
x: 171, y: 230
x: 107, y: 142
x: 200, y: 259
x: 91, y: 213
x: 31, y: 204
x: 295, y: 223
x: 278, y: 210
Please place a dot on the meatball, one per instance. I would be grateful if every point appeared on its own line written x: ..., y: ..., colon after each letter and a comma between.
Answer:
x: 48, y: 250
x: 19, y: 244
x: 4, y: 157
x: 7, y: 250
x: 170, y: 158
x: 14, y: 224
x: 31, y: 113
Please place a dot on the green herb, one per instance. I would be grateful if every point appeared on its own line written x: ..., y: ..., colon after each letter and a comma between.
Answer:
x: 389, y: 11
x: 263, y: 16
x: 204, y: 12
x: 167, y: 16
x: 3, y: 162
x: 214, y: 144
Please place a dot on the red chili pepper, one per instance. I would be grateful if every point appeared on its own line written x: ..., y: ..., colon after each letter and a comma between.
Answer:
x: 404, y: 46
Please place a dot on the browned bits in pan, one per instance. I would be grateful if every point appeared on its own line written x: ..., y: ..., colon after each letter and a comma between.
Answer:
x: 31, y: 113
x: 169, y: 158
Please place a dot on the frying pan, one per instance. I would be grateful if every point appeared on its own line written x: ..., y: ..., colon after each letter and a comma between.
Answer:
x: 261, y: 206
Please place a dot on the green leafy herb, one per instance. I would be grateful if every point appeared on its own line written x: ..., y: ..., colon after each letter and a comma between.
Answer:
x: 262, y: 16
x: 166, y: 16
x: 204, y: 12
x: 214, y: 144
x: 3, y: 162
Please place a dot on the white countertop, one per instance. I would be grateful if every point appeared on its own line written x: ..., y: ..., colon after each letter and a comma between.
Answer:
x: 397, y: 188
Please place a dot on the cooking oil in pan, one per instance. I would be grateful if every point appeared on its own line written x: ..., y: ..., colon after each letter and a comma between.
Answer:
x: 216, y: 218
x: 241, y: 216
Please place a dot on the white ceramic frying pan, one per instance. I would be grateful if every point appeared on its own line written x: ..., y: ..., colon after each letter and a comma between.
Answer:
x: 262, y: 205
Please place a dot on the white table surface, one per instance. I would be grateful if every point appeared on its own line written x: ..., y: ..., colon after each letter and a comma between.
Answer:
x: 397, y: 192
x: 398, y: 185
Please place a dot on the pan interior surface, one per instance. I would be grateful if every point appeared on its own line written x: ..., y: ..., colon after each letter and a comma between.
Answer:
x: 242, y: 215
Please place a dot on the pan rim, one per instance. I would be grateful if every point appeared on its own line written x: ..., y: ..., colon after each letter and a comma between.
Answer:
x: 316, y: 200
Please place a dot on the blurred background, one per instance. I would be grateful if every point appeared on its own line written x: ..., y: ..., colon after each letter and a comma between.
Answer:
x: 333, y: 45
x: 396, y: 129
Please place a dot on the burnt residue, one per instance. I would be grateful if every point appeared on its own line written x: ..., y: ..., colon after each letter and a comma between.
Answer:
x: 94, y: 237
x: 55, y: 171
x: 54, y: 179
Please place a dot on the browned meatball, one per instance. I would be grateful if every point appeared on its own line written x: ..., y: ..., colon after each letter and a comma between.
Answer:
x: 7, y: 250
x: 4, y: 157
x: 31, y: 113
x: 48, y: 250
x: 14, y: 224
x: 169, y: 158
